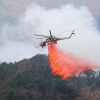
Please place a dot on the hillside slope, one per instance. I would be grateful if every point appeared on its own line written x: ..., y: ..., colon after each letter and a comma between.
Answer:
x: 31, y: 79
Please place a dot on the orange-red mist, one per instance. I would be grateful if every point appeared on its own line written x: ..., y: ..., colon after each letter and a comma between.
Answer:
x: 66, y: 64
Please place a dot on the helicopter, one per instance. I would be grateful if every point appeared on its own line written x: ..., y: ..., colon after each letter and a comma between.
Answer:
x: 52, y: 39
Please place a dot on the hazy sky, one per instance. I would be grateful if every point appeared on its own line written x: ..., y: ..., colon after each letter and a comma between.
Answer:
x: 18, y: 42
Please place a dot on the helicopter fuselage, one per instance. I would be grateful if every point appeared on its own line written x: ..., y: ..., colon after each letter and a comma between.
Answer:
x: 49, y: 41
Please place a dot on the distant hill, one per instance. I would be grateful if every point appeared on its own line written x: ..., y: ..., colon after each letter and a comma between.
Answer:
x: 11, y: 10
x: 31, y: 79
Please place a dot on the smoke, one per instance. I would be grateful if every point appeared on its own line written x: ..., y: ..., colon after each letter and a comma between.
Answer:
x: 18, y: 42
x: 66, y: 64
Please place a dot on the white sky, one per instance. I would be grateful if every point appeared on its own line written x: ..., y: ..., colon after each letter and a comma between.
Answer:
x: 18, y: 42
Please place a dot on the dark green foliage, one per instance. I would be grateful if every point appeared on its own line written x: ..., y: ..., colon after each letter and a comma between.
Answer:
x: 31, y: 79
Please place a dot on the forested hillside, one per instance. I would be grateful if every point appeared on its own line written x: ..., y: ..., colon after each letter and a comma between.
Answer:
x: 31, y: 79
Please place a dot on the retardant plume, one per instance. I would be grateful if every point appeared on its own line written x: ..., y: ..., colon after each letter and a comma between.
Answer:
x: 66, y: 64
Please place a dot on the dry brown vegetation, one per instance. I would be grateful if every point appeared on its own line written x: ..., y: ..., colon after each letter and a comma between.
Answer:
x: 31, y: 79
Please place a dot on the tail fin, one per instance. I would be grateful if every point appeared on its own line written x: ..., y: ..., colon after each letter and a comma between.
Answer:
x: 73, y: 32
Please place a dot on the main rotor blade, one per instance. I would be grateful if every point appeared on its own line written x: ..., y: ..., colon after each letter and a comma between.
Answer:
x: 41, y: 35
x: 73, y: 30
x: 50, y: 33
x: 60, y: 33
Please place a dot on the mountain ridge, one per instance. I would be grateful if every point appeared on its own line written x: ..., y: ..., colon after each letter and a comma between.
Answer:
x: 31, y: 79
